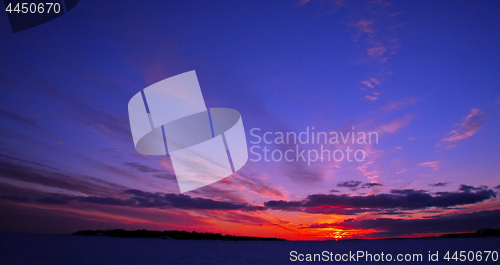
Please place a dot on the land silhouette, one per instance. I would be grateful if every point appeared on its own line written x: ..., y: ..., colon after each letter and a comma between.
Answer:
x: 483, y: 232
x: 173, y: 234
x: 185, y: 235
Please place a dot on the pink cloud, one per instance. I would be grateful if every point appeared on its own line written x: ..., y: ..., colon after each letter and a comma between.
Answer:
x: 367, y: 83
x: 365, y: 26
x: 394, y: 125
x: 376, y: 51
x: 468, y: 127
x: 402, y: 171
x: 399, y: 104
x: 370, y: 82
x: 370, y: 168
x: 432, y: 164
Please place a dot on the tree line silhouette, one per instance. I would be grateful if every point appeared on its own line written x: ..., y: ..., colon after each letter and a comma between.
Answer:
x: 173, y: 234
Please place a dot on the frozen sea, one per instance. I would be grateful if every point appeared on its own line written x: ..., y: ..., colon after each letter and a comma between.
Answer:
x: 65, y: 249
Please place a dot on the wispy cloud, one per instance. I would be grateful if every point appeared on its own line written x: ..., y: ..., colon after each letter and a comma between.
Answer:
x: 403, y: 170
x: 167, y: 176
x: 356, y: 184
x: 17, y: 118
x: 374, y: 35
x: 400, y: 104
x: 142, y: 168
x: 253, y: 183
x: 432, y: 164
x: 370, y: 82
x: 32, y: 173
x: 371, y: 185
x: 365, y: 26
x: 351, y: 184
x: 394, y: 126
x: 439, y: 184
x: 470, y: 126
x: 142, y: 199
x: 376, y: 51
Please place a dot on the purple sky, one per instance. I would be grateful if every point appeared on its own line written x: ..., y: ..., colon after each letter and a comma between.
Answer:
x: 424, y: 75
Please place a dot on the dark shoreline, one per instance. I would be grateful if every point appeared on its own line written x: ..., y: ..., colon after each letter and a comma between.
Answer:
x: 173, y: 234
x: 184, y: 235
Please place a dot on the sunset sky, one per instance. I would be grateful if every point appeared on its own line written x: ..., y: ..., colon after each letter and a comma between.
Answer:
x: 424, y: 75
